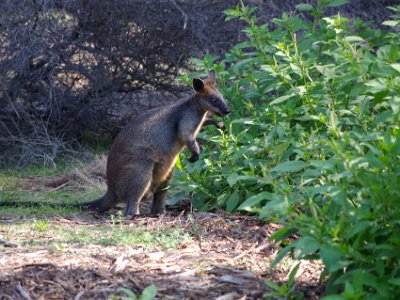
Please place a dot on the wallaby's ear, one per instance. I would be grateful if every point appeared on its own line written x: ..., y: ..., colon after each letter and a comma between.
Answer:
x: 198, y: 84
x: 211, y: 78
x: 211, y: 74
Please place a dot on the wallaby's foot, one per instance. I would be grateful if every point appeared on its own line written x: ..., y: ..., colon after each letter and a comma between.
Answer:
x: 157, y: 212
x: 101, y: 205
x: 132, y: 216
x: 131, y: 211
x: 139, y: 216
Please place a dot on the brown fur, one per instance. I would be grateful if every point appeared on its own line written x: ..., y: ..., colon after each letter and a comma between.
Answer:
x: 143, y: 156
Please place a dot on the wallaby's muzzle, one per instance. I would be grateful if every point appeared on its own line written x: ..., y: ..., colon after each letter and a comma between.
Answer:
x: 223, y: 113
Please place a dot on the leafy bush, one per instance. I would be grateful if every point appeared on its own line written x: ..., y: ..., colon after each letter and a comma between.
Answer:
x: 314, y: 143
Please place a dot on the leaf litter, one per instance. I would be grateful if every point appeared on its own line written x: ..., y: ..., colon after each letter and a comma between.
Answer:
x: 228, y: 258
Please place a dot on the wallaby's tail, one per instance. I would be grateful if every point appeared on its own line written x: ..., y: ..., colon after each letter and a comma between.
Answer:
x: 102, y: 204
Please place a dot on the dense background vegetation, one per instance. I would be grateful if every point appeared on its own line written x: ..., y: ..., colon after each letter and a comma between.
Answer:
x: 73, y: 69
x: 314, y: 142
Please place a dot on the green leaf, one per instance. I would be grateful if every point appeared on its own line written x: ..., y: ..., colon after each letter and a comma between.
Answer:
x: 304, y: 7
x: 292, y: 274
x: 282, y: 254
x: 131, y: 295
x: 149, y: 293
x: 352, y: 39
x: 283, y: 99
x: 395, y: 281
x: 329, y: 71
x: 179, y: 194
x: 391, y: 23
x: 321, y: 164
x: 374, y: 161
x: 277, y: 203
x: 376, y: 85
x: 273, y: 285
x: 334, y: 3
x: 396, y: 66
x: 331, y: 256
x: 334, y: 297
x: 197, y: 62
x: 283, y: 233
x: 178, y: 164
x: 359, y: 227
x: 383, y: 70
x: 307, y: 245
x: 234, y: 178
x: 380, y: 267
x: 176, y: 198
x: 289, y: 167
x: 232, y: 13
x: 333, y: 120
x: 254, y: 200
x: 232, y: 201
x: 386, y: 116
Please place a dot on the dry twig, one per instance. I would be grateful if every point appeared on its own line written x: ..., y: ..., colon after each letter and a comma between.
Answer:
x: 22, y: 292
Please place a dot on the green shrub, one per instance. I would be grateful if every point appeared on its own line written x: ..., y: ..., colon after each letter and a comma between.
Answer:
x: 314, y: 143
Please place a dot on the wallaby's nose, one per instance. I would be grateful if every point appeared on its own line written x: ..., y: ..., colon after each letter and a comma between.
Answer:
x: 227, y: 111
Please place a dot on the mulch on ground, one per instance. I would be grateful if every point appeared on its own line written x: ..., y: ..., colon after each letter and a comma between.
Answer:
x: 228, y: 257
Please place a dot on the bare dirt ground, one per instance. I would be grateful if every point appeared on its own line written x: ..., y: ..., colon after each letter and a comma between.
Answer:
x: 227, y: 258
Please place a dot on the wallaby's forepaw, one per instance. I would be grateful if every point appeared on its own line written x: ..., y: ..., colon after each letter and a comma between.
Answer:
x: 221, y: 126
x: 193, y: 158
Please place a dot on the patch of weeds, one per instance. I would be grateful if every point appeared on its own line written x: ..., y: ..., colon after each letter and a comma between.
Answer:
x: 195, y: 228
x: 39, y: 225
x: 117, y: 218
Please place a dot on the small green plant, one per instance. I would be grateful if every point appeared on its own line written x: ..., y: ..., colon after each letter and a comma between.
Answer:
x: 40, y: 225
x: 117, y: 218
x: 287, y: 290
x: 194, y: 226
x: 148, y: 293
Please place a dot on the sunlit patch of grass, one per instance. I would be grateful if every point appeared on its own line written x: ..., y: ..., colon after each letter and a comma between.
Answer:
x: 48, y: 201
x: 32, y: 233
x: 40, y: 201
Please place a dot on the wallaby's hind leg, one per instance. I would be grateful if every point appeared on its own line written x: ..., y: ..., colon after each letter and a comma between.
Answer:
x: 158, y: 206
x: 140, y: 179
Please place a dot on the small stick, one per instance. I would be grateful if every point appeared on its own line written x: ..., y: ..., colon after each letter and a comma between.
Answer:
x: 22, y: 292
x: 254, y: 250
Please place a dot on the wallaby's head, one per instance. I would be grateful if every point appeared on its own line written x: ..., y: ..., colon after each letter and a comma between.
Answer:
x: 208, y: 96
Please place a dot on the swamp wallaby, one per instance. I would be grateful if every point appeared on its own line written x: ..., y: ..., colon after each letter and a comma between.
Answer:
x: 143, y: 155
